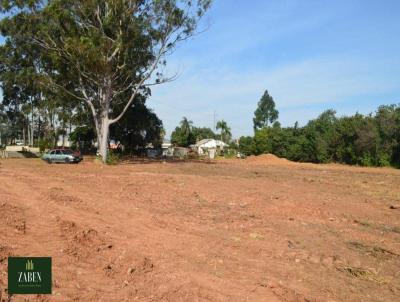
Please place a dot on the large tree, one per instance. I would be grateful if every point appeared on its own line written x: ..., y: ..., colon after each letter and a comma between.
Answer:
x: 105, y: 53
x: 265, y: 112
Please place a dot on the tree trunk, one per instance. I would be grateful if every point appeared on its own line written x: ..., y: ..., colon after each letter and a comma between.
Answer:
x: 63, y: 134
x: 28, y: 134
x: 102, y: 120
x: 103, y: 128
x: 70, y: 129
x: 32, y: 125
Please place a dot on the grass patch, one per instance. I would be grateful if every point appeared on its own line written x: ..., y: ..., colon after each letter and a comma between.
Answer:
x: 389, y: 228
x: 360, y: 273
x: 381, y: 227
x: 374, y: 251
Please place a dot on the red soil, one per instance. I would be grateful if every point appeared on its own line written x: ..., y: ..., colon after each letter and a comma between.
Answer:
x: 235, y: 230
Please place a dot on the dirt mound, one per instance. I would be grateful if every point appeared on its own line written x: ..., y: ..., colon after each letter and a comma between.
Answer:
x: 81, y: 242
x: 5, y: 252
x: 268, y: 159
x: 13, y: 217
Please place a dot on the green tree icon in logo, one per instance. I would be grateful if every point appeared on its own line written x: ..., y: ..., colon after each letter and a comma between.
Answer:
x: 29, y: 265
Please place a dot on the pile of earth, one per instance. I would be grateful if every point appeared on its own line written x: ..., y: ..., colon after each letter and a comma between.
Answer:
x: 268, y: 159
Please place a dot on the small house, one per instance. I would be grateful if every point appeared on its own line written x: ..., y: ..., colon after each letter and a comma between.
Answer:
x: 209, y: 147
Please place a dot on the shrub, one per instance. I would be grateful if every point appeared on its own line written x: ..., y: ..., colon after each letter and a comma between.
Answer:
x: 44, y: 144
x: 113, y: 157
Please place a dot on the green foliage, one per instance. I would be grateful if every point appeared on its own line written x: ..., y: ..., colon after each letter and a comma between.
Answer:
x: 372, y: 140
x: 45, y: 144
x: 113, y: 157
x: 139, y: 127
x: 246, y: 145
x: 265, y: 112
x: 200, y: 133
x: 82, y: 137
x: 101, y: 54
x: 186, y: 134
x: 225, y: 134
x: 183, y: 135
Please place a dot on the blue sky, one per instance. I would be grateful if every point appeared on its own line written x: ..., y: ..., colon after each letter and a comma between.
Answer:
x: 310, y: 55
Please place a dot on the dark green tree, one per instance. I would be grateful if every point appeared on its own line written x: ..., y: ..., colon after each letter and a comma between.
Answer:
x: 200, y: 133
x: 139, y: 127
x: 265, y: 112
x: 246, y: 145
x: 183, y: 135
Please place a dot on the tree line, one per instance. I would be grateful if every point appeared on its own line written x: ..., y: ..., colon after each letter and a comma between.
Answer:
x: 187, y: 134
x: 367, y: 140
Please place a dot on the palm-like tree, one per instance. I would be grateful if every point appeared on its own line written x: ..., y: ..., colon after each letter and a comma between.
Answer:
x: 186, y: 127
x: 225, y: 131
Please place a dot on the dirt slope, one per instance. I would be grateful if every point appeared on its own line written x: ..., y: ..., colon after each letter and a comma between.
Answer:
x: 224, y: 231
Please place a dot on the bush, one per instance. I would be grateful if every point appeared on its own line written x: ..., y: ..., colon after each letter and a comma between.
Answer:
x: 44, y: 144
x: 113, y: 157
x: 383, y: 160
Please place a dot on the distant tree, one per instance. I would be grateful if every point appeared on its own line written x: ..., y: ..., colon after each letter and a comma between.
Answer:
x: 183, y: 134
x: 225, y: 133
x: 265, y: 112
x: 321, y: 133
x: 367, y: 143
x: 138, y: 128
x: 246, y: 145
x: 260, y: 142
x: 186, y: 127
x: 200, y: 133
x: 4, y: 127
x: 388, y: 126
x: 82, y: 138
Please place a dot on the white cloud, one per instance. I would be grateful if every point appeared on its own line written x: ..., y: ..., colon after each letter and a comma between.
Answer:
x: 234, y: 95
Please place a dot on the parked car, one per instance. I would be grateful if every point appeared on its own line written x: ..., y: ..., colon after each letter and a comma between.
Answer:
x: 19, y: 142
x: 62, y: 156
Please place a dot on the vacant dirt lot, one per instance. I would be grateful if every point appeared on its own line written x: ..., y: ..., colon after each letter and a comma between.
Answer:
x: 260, y: 229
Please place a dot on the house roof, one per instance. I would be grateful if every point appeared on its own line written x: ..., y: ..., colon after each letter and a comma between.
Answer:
x: 203, y: 141
x: 210, y: 143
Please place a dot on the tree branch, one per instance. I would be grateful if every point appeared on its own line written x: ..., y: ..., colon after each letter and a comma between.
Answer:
x: 136, y: 90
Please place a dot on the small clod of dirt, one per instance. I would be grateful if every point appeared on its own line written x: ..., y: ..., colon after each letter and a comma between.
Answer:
x: 256, y: 236
x: 144, y: 266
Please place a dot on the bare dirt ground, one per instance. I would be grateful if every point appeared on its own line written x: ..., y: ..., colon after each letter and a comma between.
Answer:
x: 260, y: 229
